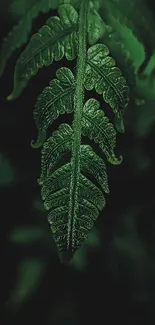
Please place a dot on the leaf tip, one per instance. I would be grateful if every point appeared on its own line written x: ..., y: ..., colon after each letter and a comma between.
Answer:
x: 40, y: 141
x: 10, y: 97
x: 14, y: 95
x: 115, y: 160
x: 66, y: 257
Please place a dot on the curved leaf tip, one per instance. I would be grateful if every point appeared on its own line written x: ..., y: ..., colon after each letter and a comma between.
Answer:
x: 115, y: 160
x: 16, y: 92
x: 12, y: 96
x: 37, y: 144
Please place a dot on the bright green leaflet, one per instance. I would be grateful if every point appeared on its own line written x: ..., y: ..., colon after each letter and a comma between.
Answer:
x: 73, y: 189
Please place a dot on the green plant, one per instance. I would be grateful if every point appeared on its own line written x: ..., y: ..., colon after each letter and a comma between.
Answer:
x: 73, y: 185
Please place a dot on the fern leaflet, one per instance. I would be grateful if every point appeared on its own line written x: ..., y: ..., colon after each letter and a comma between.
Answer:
x: 107, y: 80
x: 55, y: 100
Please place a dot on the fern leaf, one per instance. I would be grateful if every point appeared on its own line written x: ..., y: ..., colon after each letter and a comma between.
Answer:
x: 56, y: 184
x: 19, y: 35
x: 116, y: 11
x: 107, y: 80
x: 68, y: 190
x: 54, y: 40
x: 96, y: 126
x: 55, y: 100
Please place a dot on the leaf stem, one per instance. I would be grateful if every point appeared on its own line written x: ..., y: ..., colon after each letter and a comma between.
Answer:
x: 78, y: 108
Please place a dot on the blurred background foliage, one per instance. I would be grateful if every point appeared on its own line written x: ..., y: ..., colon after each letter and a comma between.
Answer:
x: 112, y: 276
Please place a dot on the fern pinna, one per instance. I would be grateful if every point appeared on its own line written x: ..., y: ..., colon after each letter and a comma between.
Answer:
x: 68, y: 190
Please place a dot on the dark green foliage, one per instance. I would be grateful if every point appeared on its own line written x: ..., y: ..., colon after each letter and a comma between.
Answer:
x: 116, y: 261
x: 116, y: 11
x: 73, y: 189
x: 73, y: 200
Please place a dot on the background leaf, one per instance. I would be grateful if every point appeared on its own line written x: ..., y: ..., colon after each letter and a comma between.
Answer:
x: 30, y: 272
x: 26, y: 235
x: 7, y: 172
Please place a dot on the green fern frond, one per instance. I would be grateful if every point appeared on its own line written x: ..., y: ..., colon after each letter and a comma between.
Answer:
x: 19, y: 35
x: 56, y: 182
x: 55, y: 100
x: 73, y: 177
x: 54, y: 40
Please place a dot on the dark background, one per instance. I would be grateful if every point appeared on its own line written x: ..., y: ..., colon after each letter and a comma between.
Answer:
x: 112, y: 278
